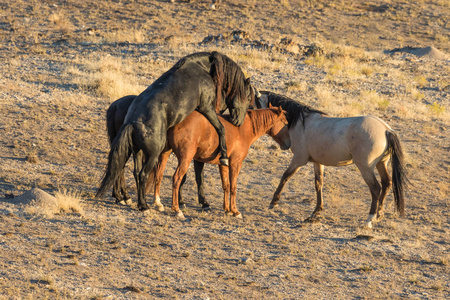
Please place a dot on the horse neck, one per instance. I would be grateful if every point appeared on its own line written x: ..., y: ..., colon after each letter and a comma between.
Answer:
x: 261, y: 121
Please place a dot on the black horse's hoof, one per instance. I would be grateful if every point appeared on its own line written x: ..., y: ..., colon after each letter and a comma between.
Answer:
x: 224, y: 161
x: 205, y: 206
x: 272, y: 206
x: 143, y: 208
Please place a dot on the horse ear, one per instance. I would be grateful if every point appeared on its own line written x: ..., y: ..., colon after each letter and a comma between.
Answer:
x: 247, y: 80
x: 280, y: 110
x: 257, y: 93
x: 270, y: 105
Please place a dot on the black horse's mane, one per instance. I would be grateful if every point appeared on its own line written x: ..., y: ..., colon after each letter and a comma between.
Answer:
x: 227, y: 75
x: 294, y: 110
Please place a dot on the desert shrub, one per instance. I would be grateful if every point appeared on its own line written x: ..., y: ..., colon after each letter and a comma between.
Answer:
x: 68, y: 202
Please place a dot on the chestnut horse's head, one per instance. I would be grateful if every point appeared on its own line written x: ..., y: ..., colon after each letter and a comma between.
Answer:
x: 279, y: 131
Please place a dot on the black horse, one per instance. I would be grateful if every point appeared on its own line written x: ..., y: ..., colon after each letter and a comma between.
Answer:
x: 115, y: 116
x: 209, y: 82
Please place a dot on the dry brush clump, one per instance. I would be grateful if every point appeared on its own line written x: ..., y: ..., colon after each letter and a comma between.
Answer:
x: 108, y: 76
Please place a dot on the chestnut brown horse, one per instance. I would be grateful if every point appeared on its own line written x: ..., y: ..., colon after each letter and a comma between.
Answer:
x: 194, y: 138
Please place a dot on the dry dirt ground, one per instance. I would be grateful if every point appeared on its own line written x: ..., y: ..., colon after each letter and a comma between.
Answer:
x: 64, y: 62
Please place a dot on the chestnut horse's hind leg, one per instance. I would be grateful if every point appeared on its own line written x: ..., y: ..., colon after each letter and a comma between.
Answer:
x: 183, y: 165
x: 234, y: 169
x: 224, y: 176
x: 159, y: 172
x: 198, y: 167
x: 386, y: 184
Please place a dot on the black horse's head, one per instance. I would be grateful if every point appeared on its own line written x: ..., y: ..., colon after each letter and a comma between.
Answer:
x: 232, y: 86
x: 239, y: 104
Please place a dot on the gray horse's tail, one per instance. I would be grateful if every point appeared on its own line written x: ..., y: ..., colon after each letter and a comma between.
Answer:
x: 399, y: 180
x: 118, y: 156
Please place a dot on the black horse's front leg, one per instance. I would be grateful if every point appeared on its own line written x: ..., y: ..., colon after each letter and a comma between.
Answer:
x: 214, y: 120
x: 198, y: 168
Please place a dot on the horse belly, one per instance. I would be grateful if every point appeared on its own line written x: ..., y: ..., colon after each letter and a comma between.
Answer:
x: 334, y: 154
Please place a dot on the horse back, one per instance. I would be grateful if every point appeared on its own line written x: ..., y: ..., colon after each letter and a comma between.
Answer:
x: 172, y: 97
x: 342, y: 141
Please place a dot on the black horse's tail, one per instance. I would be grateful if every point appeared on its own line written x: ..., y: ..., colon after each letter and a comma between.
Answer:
x: 118, y: 156
x: 110, y: 113
x: 399, y: 180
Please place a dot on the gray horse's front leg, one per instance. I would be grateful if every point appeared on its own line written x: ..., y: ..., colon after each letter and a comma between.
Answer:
x: 214, y: 120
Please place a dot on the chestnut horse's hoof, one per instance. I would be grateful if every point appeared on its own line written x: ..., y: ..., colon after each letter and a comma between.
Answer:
x: 238, y: 215
x: 224, y: 161
x: 159, y: 207
x: 180, y: 215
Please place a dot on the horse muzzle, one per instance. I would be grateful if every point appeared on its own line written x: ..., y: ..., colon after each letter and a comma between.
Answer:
x: 285, y: 147
x: 237, y: 118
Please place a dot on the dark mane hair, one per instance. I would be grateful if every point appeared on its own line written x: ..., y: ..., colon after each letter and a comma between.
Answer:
x: 228, y: 77
x: 294, y: 110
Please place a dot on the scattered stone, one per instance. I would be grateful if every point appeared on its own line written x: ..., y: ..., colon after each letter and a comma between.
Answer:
x: 247, y: 261
x: 36, y: 197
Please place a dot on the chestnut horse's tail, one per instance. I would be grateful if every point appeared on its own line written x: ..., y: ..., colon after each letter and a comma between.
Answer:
x: 399, y: 180
x: 118, y: 156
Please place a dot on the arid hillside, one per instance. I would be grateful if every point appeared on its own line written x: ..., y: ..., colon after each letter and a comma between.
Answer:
x: 65, y: 62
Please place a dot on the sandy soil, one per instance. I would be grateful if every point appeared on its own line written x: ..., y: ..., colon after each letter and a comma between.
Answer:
x: 53, y: 137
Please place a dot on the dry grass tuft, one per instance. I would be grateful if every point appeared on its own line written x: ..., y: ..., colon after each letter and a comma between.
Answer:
x: 111, y: 77
x: 68, y: 202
